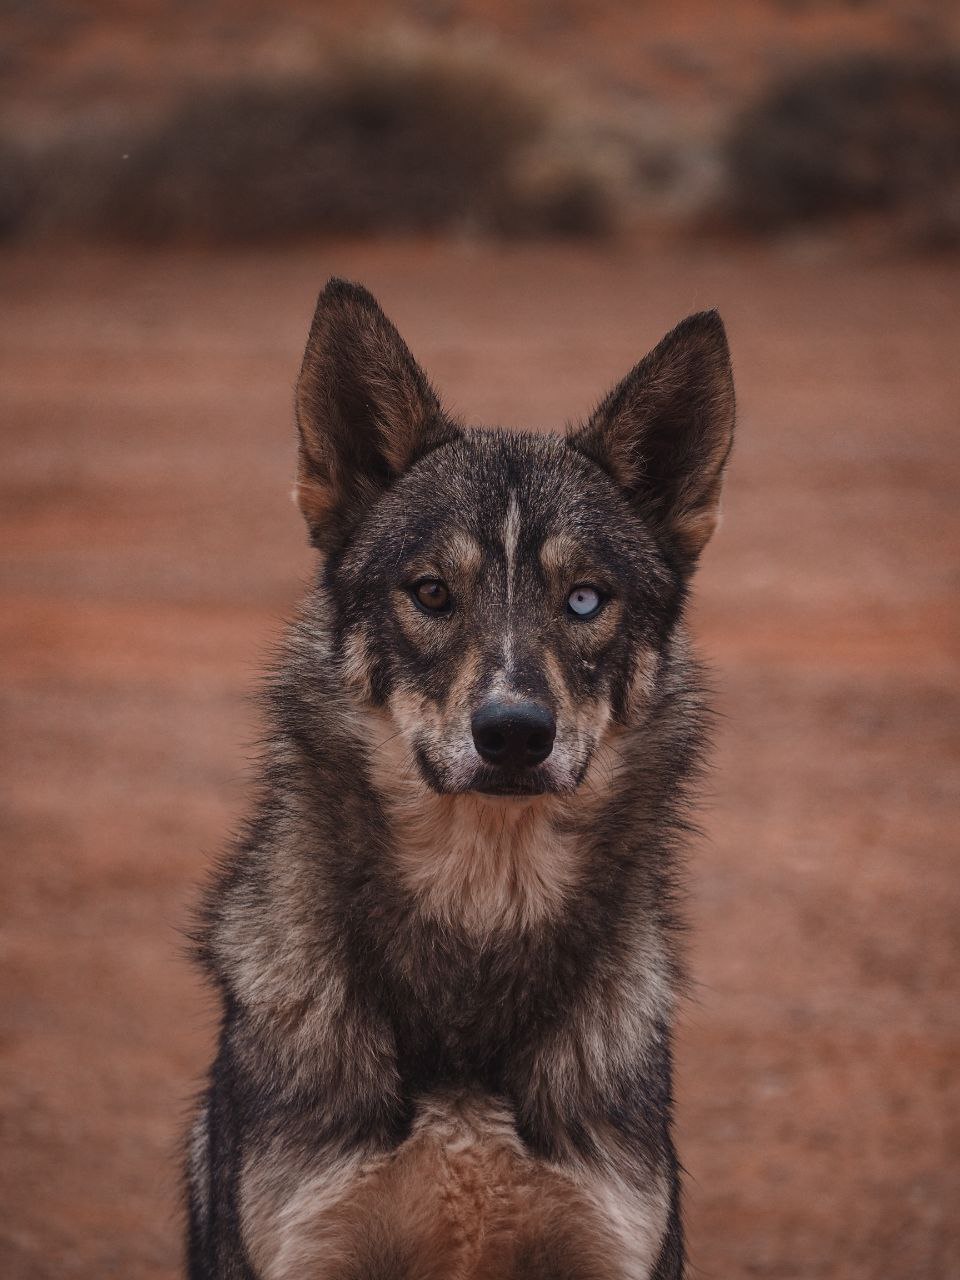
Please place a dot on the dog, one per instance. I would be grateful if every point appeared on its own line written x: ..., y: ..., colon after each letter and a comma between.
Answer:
x: 445, y: 945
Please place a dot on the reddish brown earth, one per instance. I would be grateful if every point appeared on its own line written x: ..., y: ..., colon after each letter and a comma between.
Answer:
x: 149, y: 553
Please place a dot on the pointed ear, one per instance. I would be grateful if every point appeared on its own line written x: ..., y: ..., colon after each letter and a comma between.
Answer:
x: 664, y: 434
x: 365, y: 410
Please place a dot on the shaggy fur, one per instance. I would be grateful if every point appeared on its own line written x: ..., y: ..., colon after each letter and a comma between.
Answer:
x: 448, y: 986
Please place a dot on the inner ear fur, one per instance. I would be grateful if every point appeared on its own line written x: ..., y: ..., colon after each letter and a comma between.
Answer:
x: 365, y: 410
x: 664, y: 433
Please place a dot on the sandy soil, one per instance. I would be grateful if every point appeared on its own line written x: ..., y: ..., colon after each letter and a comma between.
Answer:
x: 149, y: 553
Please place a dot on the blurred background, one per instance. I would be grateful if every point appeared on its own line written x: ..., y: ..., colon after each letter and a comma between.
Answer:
x: 536, y: 192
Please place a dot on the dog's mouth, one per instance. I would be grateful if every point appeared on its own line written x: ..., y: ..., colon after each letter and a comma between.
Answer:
x: 534, y: 782
x: 496, y: 782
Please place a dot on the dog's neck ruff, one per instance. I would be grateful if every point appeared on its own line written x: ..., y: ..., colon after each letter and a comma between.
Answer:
x: 484, y: 864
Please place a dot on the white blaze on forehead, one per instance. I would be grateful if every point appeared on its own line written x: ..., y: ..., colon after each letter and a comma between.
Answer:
x: 511, y: 536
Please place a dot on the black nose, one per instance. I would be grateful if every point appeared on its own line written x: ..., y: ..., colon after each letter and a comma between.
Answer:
x: 515, y: 735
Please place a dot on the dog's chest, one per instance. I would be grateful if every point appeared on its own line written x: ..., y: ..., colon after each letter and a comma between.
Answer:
x: 483, y: 941
x: 465, y: 1010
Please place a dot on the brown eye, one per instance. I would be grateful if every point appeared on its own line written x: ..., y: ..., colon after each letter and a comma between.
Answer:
x: 431, y: 594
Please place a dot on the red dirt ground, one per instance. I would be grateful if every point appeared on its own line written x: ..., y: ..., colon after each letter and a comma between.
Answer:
x: 149, y: 552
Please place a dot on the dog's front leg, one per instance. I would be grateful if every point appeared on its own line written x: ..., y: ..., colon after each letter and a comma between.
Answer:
x: 608, y: 1129
x: 279, y: 1143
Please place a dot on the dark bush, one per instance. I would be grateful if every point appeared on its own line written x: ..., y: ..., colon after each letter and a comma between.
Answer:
x: 385, y: 139
x: 413, y: 147
x: 16, y: 189
x: 864, y: 134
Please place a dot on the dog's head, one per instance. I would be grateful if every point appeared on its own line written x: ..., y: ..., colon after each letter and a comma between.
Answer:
x: 504, y: 598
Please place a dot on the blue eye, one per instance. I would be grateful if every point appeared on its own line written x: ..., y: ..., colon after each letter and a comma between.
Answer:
x: 584, y: 601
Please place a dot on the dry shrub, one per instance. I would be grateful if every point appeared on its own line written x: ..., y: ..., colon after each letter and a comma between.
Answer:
x: 16, y: 188
x: 865, y: 134
x: 399, y: 137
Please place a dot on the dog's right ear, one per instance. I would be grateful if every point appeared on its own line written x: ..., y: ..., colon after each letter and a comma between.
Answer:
x: 365, y: 410
x: 664, y: 433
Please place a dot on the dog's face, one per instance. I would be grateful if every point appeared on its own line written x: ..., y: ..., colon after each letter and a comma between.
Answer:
x: 503, y: 598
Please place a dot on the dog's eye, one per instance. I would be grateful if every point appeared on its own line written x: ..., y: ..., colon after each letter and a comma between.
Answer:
x: 584, y: 601
x: 431, y: 594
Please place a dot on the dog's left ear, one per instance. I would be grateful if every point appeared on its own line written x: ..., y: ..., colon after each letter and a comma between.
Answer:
x: 365, y: 410
x: 664, y: 433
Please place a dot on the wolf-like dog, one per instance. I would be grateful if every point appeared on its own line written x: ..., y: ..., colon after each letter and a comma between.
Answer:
x: 445, y: 944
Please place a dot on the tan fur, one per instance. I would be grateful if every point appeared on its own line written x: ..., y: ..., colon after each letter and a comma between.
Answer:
x: 446, y: 728
x: 460, y: 1198
x: 693, y: 529
x: 355, y: 664
x: 585, y: 723
x: 313, y: 496
x: 636, y: 1219
x: 642, y: 683
x: 288, y: 1209
x: 464, y: 552
x: 486, y: 862
x: 603, y: 772
x: 557, y: 553
x: 196, y: 1152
